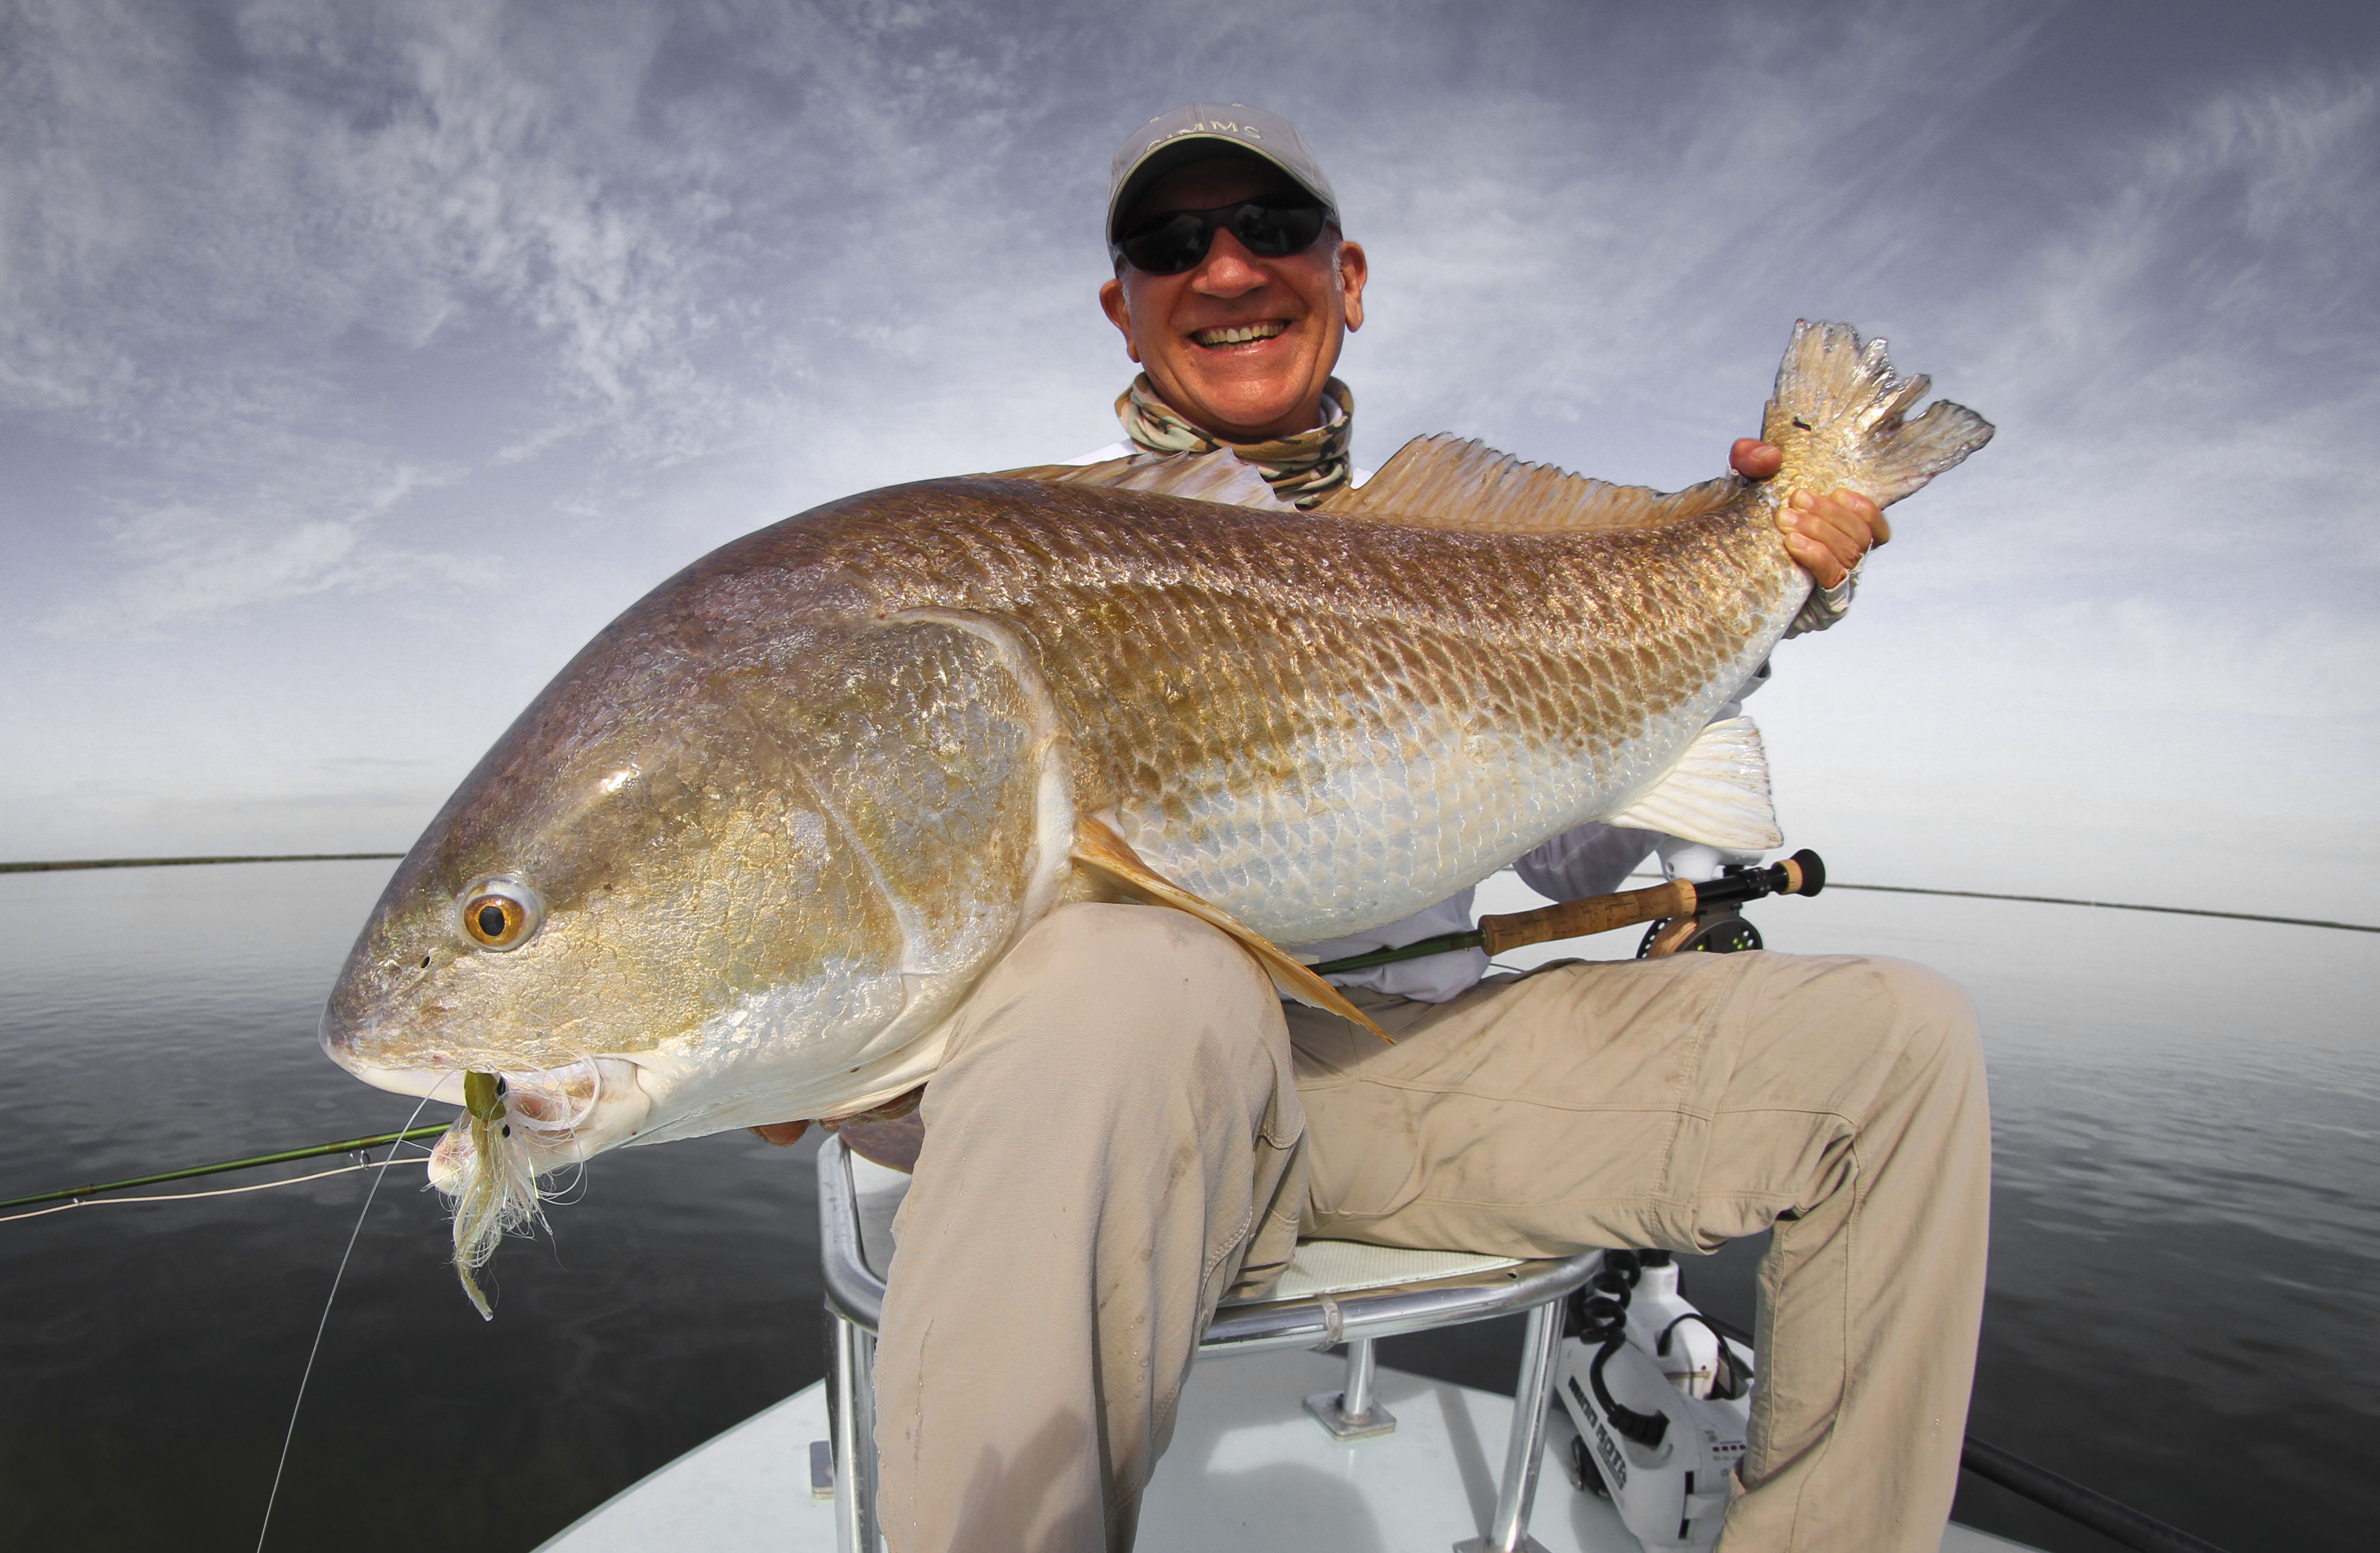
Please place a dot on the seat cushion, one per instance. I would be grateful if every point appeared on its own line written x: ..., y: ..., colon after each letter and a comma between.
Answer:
x: 1340, y: 1267
x: 1321, y: 1267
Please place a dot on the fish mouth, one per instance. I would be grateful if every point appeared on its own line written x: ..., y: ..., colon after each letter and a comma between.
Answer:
x: 569, y: 1111
x: 1224, y: 336
x: 554, y: 1117
x: 434, y: 1076
x: 442, y: 1085
x: 517, y: 1130
x: 393, y: 1056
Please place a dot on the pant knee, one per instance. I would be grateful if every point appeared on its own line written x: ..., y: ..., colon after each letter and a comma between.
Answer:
x: 1932, y: 1014
x: 1129, y: 989
x: 1119, y: 942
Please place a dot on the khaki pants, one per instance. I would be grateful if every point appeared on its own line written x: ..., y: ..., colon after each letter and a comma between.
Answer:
x: 1126, y: 1126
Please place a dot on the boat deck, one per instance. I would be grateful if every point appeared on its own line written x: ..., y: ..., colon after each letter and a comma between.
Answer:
x: 1247, y: 1470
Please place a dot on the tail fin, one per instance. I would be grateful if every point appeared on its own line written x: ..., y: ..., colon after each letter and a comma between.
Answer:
x: 1838, y: 402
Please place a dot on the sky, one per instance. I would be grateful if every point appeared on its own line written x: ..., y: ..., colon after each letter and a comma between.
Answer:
x: 359, y: 361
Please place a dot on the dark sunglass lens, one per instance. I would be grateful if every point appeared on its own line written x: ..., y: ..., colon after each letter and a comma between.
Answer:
x: 1275, y: 232
x: 1168, y: 245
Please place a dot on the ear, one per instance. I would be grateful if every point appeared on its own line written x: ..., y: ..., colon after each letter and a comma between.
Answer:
x: 1118, y: 307
x: 1354, y: 270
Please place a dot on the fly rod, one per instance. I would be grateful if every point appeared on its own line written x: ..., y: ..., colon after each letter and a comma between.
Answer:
x: 1680, y: 901
x: 348, y: 1146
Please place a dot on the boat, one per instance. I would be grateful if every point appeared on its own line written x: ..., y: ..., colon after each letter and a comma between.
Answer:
x: 1248, y: 1469
x: 1255, y: 1462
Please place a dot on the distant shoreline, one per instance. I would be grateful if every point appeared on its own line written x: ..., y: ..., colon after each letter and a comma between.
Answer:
x: 39, y: 867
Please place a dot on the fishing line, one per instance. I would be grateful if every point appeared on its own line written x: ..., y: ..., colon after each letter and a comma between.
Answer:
x: 218, y: 1192
x: 2099, y: 906
x: 2115, y: 905
x: 291, y: 1433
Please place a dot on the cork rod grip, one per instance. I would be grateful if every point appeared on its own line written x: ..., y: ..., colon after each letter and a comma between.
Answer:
x: 1600, y: 914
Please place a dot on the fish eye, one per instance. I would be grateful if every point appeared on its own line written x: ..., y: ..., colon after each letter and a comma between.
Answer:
x: 501, y: 913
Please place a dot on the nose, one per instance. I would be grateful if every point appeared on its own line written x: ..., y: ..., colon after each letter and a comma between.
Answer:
x: 1229, y: 270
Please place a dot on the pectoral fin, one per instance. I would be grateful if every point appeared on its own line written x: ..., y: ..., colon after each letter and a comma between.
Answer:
x: 1716, y: 794
x: 1096, y: 846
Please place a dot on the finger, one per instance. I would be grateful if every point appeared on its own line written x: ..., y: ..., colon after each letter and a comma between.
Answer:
x: 1839, y: 527
x: 1858, y: 515
x: 1849, y: 521
x: 1859, y: 510
x: 1816, y: 559
x: 1827, y: 526
x: 1754, y: 459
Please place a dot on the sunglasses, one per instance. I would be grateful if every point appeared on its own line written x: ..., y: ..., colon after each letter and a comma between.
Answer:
x: 1270, y: 227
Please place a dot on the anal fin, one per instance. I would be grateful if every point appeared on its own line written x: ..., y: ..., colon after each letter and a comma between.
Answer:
x: 1716, y: 794
x: 1098, y: 847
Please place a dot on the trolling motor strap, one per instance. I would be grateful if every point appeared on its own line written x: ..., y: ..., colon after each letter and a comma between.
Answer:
x: 1648, y: 1429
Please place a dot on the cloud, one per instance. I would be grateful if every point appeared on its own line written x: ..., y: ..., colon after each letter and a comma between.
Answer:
x: 320, y: 323
x: 181, y: 561
x: 1619, y: 235
x: 237, y: 235
x: 2177, y: 518
x: 301, y: 172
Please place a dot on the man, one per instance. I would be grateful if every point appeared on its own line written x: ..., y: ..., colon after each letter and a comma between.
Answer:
x: 1128, y: 1123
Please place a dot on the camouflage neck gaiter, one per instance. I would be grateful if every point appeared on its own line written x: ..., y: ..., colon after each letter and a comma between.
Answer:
x: 1301, y: 468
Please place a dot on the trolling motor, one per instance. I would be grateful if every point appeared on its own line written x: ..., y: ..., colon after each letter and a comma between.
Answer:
x: 1686, y: 916
x: 1660, y: 1397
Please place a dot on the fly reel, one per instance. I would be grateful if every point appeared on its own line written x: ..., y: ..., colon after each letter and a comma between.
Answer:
x: 1723, y: 931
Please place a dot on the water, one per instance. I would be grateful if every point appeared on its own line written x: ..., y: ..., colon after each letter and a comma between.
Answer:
x: 159, y: 1017
x: 2185, y: 1294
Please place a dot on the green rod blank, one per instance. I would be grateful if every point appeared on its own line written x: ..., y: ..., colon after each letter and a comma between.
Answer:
x: 45, y: 867
x: 348, y: 1146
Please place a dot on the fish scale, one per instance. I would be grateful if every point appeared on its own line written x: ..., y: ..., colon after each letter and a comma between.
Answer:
x: 1209, y: 701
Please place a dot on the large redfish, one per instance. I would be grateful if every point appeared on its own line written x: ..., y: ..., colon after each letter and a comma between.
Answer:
x: 743, y: 858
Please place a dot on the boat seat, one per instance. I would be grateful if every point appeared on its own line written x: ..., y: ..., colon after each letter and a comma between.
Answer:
x: 1332, y: 1293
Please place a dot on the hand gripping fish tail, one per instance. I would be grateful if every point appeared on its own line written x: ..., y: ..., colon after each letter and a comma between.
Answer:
x: 1838, y: 418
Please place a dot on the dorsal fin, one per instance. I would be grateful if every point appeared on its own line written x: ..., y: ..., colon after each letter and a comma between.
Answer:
x: 1449, y: 482
x: 1218, y: 476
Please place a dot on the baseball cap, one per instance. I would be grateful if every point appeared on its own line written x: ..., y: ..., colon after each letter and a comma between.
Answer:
x: 1199, y: 130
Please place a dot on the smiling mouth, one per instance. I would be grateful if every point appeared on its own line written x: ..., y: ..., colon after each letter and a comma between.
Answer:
x: 1240, y: 333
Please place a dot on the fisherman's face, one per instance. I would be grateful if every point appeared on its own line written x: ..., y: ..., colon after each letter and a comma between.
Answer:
x: 1240, y: 345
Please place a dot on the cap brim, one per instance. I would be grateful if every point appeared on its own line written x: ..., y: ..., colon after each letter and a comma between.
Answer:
x: 1181, y: 152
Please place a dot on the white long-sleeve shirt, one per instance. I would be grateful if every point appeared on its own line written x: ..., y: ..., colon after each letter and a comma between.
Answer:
x: 1589, y: 860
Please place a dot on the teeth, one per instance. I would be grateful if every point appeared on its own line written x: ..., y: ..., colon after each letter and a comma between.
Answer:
x: 1239, y: 333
